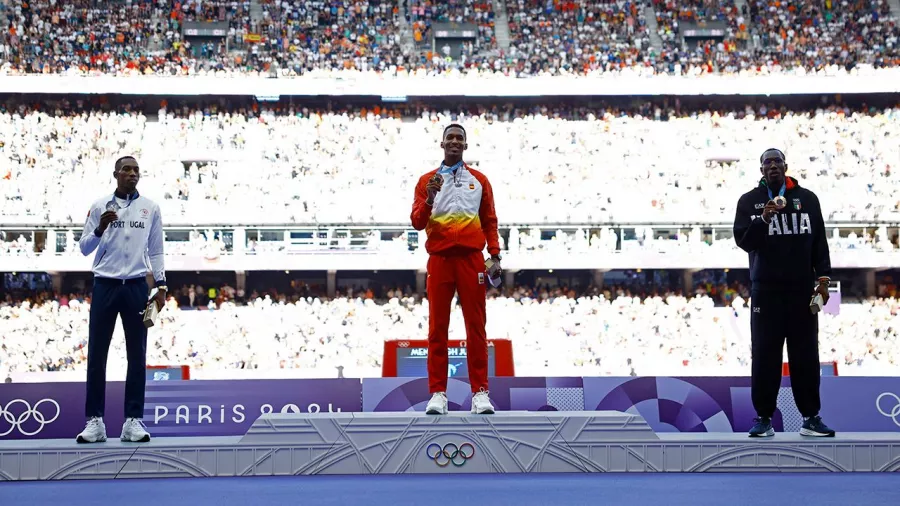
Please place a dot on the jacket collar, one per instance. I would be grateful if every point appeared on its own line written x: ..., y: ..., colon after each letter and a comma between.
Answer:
x: 133, y: 196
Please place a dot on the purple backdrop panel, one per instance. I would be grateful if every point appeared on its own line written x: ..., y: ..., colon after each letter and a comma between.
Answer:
x: 223, y: 408
x: 410, y: 394
x: 50, y: 410
x: 211, y: 408
x: 172, y: 408
x: 858, y: 404
x: 689, y: 404
x: 507, y: 393
x: 723, y: 404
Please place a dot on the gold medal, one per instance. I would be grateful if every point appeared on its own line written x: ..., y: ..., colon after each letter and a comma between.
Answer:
x: 780, y: 202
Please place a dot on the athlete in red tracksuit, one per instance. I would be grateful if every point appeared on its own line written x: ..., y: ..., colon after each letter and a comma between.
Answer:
x: 454, y: 204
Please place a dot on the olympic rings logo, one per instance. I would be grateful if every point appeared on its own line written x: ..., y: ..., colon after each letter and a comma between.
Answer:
x: 450, y: 453
x: 7, y: 415
x: 894, y: 412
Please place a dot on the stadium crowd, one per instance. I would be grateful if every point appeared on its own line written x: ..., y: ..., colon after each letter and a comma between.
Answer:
x: 571, y: 37
x: 812, y: 34
x: 575, y: 37
x: 424, y: 13
x: 731, y: 54
x: 550, y: 163
x: 554, y: 330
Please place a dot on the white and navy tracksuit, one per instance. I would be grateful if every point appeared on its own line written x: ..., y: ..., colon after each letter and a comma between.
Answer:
x: 124, y: 252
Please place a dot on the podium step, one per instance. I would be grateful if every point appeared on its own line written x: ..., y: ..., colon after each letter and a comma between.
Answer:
x: 414, y: 443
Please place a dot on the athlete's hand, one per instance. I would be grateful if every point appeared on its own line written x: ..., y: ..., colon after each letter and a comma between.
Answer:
x: 433, y: 187
x: 495, y: 271
x: 769, y: 211
x: 822, y: 289
x: 107, y: 218
x: 160, y: 299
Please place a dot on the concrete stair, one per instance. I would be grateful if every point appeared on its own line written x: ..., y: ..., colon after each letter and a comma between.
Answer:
x: 501, y: 25
x: 653, y: 29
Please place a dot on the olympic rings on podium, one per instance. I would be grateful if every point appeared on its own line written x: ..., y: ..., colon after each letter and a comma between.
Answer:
x: 450, y: 453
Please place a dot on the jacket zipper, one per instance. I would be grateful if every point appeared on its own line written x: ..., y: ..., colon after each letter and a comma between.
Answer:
x: 101, y: 256
x: 456, y: 196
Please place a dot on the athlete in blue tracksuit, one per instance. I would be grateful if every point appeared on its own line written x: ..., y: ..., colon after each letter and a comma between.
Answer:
x: 125, y: 229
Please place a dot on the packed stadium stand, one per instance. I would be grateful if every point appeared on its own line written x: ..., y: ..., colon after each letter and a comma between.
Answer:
x: 423, y: 14
x: 576, y: 37
x: 555, y: 332
x: 546, y: 158
x: 813, y: 34
x: 276, y: 37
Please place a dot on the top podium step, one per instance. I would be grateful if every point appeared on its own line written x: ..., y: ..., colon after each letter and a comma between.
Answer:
x: 563, y: 426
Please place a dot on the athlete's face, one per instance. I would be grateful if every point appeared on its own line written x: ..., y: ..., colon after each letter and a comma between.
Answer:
x: 454, y: 142
x: 773, y: 168
x: 128, y: 175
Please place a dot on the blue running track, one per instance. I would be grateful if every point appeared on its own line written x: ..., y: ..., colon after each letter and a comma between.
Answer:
x: 841, y: 489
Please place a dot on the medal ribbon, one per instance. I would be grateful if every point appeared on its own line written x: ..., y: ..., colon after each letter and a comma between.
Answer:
x: 780, y: 192
x: 448, y: 170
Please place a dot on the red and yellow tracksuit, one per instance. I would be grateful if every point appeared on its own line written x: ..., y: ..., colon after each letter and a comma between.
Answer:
x: 460, y: 222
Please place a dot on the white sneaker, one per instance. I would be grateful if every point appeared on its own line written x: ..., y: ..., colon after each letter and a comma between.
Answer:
x: 94, y: 431
x: 481, y: 403
x: 133, y: 431
x: 437, y: 405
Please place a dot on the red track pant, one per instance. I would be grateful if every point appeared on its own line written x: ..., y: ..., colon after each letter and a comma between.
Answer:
x: 463, y: 274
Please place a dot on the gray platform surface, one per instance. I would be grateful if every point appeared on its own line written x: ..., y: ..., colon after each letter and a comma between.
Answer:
x: 405, y: 443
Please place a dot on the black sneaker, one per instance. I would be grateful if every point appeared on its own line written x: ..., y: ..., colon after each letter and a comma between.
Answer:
x: 762, y: 427
x: 814, y: 426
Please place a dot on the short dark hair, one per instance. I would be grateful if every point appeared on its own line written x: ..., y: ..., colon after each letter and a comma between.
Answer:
x: 121, y: 161
x: 762, y: 157
x: 454, y: 125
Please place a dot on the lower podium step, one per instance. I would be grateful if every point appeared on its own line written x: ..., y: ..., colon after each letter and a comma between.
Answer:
x: 412, y: 443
